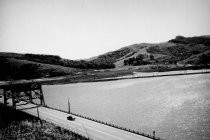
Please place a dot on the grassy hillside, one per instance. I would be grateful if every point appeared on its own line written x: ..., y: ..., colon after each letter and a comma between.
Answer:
x: 13, y: 69
x: 177, y: 52
x: 182, y: 50
x: 28, y: 66
x: 57, y: 60
x: 17, y: 125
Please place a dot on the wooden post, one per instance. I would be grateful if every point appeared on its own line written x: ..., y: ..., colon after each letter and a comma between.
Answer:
x: 41, y: 96
x: 37, y: 111
x: 37, y: 107
x: 69, y: 105
x: 30, y: 95
x: 153, y: 135
x: 5, y: 97
x: 13, y: 99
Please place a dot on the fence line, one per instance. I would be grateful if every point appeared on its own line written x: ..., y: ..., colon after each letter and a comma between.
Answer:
x: 108, y: 124
x: 155, y: 74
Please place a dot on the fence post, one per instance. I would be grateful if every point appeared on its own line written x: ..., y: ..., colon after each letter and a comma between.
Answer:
x: 153, y: 135
x: 69, y: 106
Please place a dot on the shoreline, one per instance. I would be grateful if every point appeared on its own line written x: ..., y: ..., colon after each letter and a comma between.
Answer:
x: 94, y: 78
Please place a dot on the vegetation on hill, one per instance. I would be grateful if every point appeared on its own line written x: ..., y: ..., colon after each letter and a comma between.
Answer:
x: 33, y: 130
x: 57, y: 60
x: 30, y: 66
x: 112, y: 56
x: 14, y: 69
x: 192, y: 40
x: 181, y: 50
x: 138, y: 60
x: 184, y: 50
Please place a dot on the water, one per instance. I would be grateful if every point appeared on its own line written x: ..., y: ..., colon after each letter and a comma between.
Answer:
x: 175, y: 107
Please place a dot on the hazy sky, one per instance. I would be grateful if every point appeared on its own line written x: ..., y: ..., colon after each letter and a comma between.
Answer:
x: 78, y: 29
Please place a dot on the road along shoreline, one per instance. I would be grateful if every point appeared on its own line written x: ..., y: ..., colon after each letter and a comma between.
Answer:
x: 84, y: 126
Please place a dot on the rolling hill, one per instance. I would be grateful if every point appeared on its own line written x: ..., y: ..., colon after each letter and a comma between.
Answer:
x: 12, y: 68
x: 179, y: 51
x: 29, y: 66
x: 182, y: 50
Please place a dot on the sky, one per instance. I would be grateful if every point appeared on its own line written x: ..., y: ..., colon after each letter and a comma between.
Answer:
x: 79, y: 29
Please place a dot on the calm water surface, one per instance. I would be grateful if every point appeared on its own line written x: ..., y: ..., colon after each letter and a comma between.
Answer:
x: 175, y: 107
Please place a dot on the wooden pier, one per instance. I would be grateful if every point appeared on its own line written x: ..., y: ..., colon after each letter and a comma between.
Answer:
x: 29, y: 92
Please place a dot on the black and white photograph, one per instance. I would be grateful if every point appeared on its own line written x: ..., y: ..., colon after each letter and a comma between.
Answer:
x: 104, y: 69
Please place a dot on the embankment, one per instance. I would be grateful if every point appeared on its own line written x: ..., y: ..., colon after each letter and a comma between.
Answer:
x: 15, y: 124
